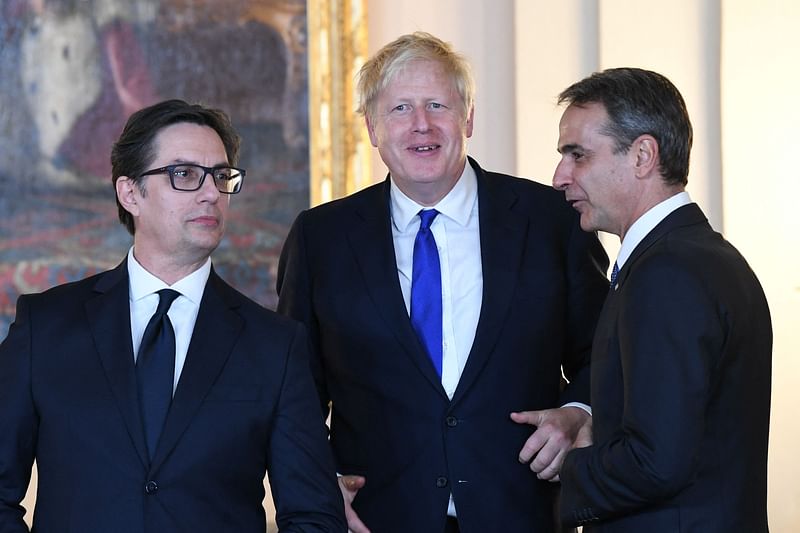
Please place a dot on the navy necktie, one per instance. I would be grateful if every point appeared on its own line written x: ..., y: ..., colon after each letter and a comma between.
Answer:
x: 614, y: 272
x: 426, y: 290
x: 155, y: 369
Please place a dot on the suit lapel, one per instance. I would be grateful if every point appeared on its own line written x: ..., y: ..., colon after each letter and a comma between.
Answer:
x: 686, y: 215
x: 373, y: 247
x: 109, y: 319
x: 503, y: 233
x: 215, y: 332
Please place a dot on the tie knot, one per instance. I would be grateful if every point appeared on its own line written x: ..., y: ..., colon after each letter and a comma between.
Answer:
x: 166, y: 297
x: 426, y: 217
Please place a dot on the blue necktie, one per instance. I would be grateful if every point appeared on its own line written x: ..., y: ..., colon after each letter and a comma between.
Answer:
x: 426, y: 290
x: 614, y: 272
x: 155, y: 369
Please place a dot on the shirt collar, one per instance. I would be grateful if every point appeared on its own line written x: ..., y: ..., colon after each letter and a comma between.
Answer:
x: 142, y: 283
x: 647, y: 222
x: 456, y: 205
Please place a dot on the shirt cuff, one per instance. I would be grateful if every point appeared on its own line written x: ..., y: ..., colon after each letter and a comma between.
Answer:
x: 579, y: 405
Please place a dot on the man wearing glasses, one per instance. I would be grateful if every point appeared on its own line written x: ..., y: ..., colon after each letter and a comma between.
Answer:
x: 154, y: 396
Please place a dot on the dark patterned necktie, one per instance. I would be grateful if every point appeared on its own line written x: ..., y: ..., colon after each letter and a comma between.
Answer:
x: 426, y: 290
x: 614, y: 273
x: 155, y: 369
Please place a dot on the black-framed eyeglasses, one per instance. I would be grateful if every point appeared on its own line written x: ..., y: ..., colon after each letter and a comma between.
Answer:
x: 190, y: 177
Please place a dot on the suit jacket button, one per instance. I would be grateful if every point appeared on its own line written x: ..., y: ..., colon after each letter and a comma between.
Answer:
x: 441, y: 482
x: 451, y: 421
x: 151, y: 487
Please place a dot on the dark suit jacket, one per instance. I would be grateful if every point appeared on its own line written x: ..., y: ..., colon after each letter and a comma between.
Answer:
x: 245, y: 403
x: 681, y: 370
x: 543, y: 285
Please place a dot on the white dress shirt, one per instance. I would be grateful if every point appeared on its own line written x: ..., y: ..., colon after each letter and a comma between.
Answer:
x: 645, y: 224
x: 458, y: 240
x: 143, y: 300
x: 457, y: 235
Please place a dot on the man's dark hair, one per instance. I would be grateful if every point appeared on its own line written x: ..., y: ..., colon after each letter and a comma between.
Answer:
x: 135, y: 150
x: 640, y: 102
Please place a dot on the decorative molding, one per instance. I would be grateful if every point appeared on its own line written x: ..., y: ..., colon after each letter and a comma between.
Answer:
x: 337, y: 37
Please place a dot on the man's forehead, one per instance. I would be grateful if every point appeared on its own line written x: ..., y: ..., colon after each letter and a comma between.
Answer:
x: 583, y: 121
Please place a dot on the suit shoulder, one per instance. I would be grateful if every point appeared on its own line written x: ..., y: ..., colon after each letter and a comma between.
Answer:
x: 335, y: 209
x: 70, y: 292
x: 251, y: 310
x: 533, y: 189
x: 540, y: 200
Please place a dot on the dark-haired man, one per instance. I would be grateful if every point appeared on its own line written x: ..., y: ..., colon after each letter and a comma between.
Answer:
x: 154, y: 396
x: 681, y: 360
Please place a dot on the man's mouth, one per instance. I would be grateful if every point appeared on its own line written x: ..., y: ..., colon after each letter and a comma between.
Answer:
x: 424, y: 148
x: 573, y: 202
x: 207, y: 220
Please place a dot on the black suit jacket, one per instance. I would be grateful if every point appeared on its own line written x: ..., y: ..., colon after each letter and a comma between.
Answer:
x: 543, y: 286
x: 245, y: 403
x: 681, y: 370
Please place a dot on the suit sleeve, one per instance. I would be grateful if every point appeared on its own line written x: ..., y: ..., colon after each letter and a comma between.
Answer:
x: 294, y: 286
x: 587, y: 288
x: 300, y: 463
x: 669, y: 335
x: 18, y: 420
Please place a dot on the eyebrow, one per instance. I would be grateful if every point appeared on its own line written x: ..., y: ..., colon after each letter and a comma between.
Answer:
x: 180, y: 161
x: 570, y: 148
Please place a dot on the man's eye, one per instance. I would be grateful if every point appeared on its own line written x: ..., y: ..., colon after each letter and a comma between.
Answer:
x: 435, y: 105
x: 401, y: 107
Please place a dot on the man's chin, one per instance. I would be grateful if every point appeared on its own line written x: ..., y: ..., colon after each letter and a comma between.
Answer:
x: 587, y: 224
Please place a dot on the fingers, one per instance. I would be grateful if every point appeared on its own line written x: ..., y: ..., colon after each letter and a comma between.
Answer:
x: 548, y: 471
x: 354, y: 523
x: 557, y: 432
x: 531, y: 447
x: 350, y: 485
x: 545, y: 450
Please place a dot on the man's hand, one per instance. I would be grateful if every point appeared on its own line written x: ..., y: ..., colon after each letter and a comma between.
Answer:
x: 557, y: 432
x: 349, y: 486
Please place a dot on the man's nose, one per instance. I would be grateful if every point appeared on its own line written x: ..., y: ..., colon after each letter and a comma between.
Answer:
x: 561, y: 176
x: 420, y: 120
x: 208, y: 190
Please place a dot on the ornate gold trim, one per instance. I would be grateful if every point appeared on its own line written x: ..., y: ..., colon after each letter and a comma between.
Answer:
x: 337, y: 47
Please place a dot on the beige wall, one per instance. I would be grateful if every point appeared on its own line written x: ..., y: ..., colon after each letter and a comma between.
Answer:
x: 761, y: 187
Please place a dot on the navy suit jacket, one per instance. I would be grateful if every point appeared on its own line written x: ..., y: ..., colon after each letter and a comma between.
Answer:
x: 681, y: 370
x: 543, y: 286
x: 245, y: 404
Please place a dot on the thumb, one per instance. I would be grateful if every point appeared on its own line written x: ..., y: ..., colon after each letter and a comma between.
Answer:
x: 353, y: 482
x: 533, y: 418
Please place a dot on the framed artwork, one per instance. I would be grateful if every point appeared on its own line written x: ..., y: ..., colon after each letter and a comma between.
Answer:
x: 72, y: 71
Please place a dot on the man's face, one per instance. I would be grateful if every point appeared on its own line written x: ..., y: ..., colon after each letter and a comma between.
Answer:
x: 598, y: 183
x: 179, y: 227
x: 420, y: 128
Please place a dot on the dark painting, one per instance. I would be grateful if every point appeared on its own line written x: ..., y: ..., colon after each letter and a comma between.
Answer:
x: 71, y: 71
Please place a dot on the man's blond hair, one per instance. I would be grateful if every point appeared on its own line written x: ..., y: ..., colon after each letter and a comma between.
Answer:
x: 382, y: 68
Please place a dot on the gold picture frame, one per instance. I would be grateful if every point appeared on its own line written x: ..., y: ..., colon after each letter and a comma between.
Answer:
x: 339, y: 145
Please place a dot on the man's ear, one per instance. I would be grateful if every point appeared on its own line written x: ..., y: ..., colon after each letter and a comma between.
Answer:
x: 470, y: 121
x: 645, y: 151
x: 371, y: 130
x: 128, y: 194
